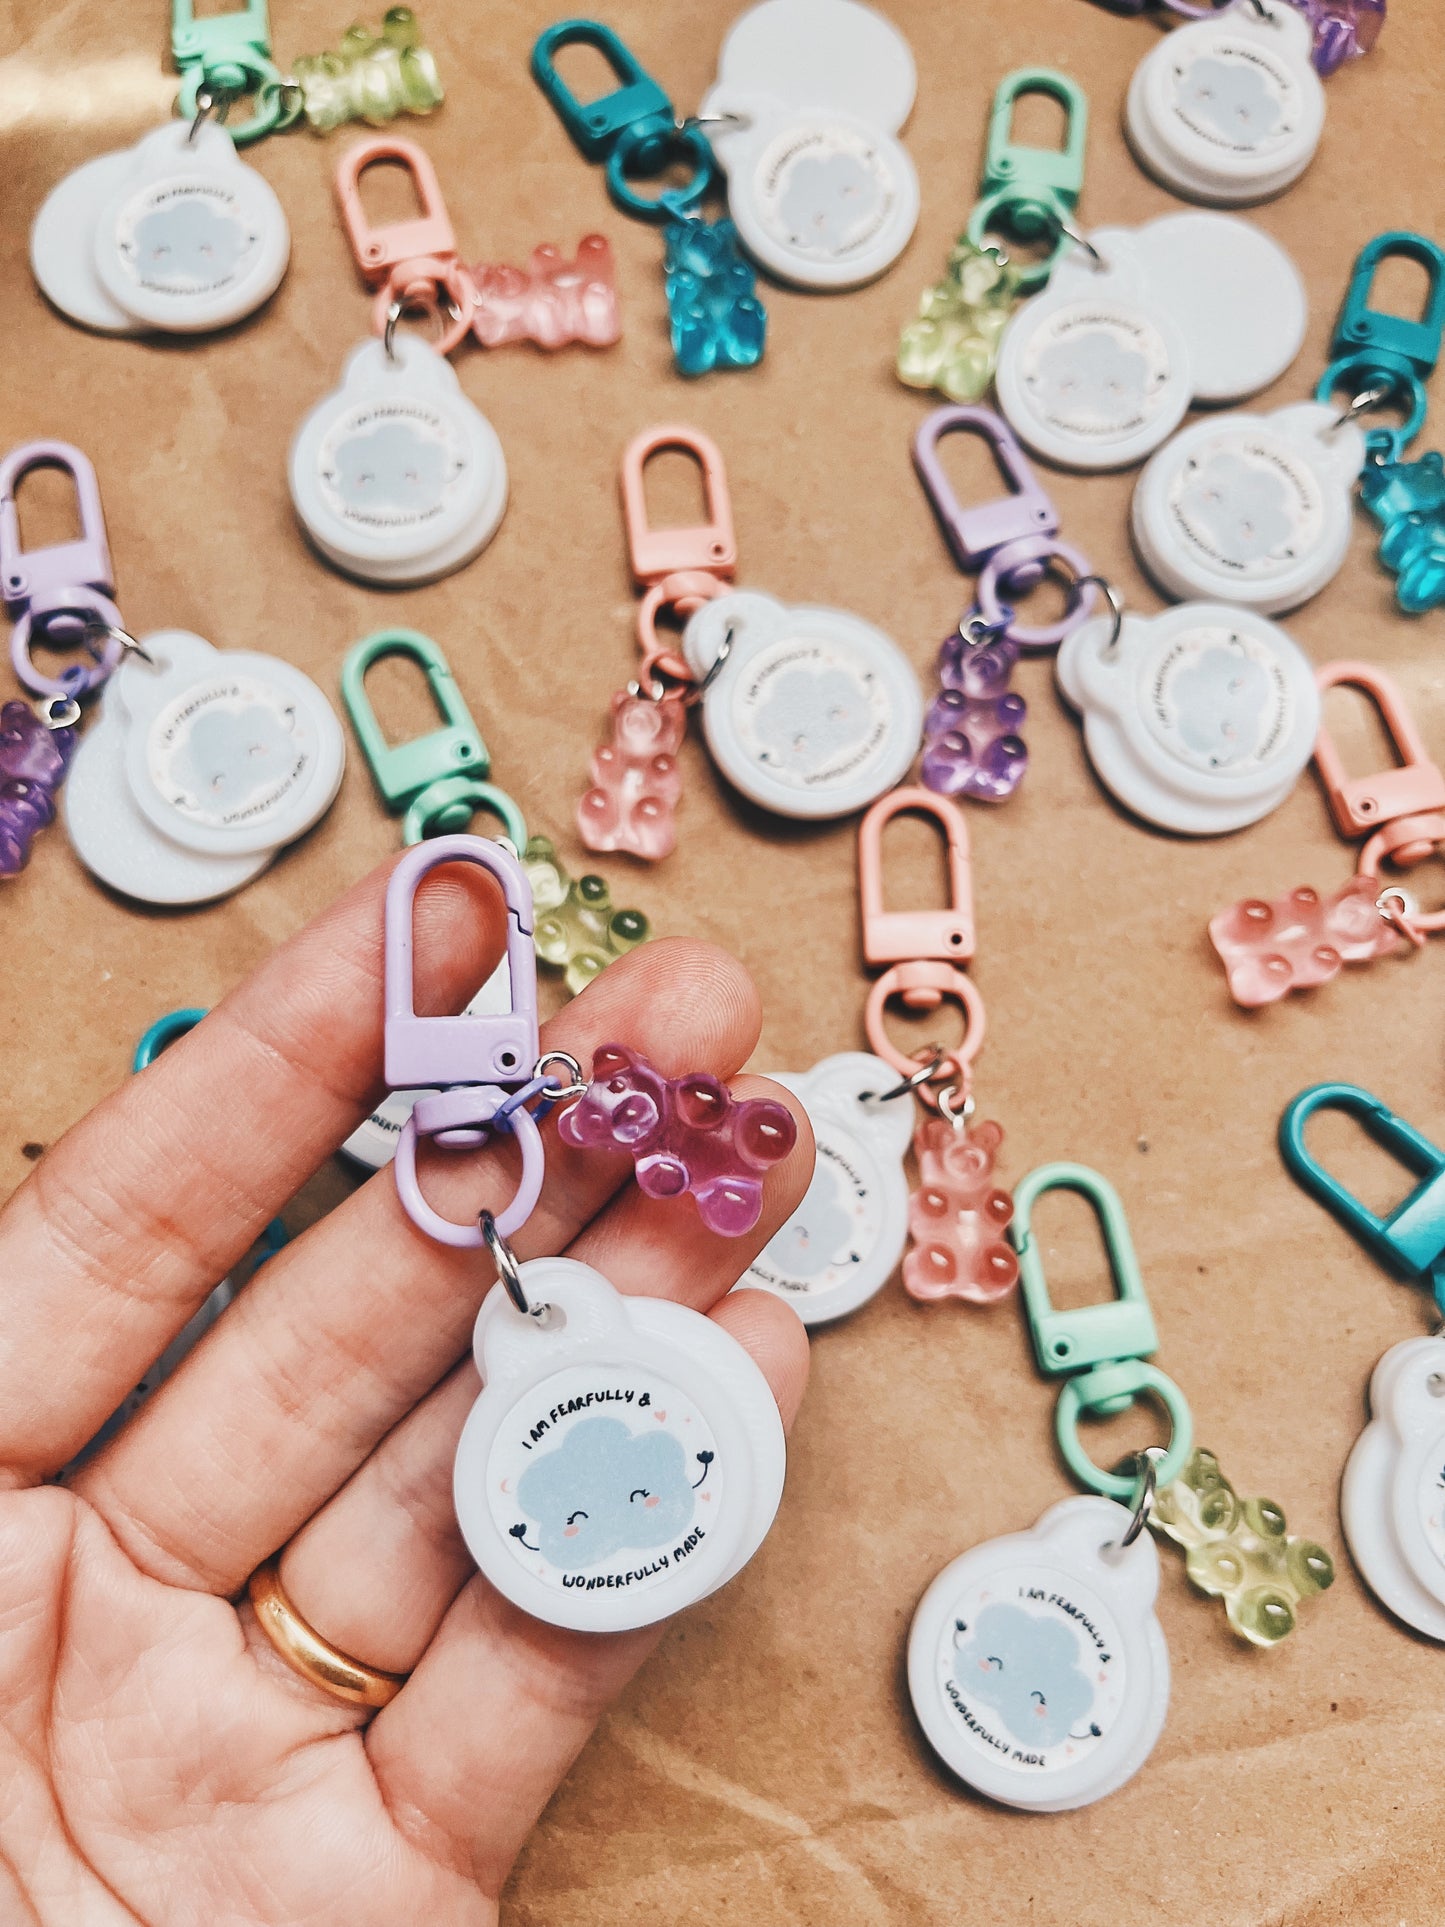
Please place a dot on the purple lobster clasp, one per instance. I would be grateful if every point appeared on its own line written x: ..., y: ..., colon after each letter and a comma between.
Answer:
x: 65, y: 588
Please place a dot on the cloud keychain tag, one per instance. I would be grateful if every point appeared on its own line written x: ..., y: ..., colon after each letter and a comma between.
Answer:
x: 843, y: 1243
x: 625, y: 1457
x: 1229, y: 110
x: 1392, y: 1502
x: 1254, y: 509
x: 803, y: 116
x: 1100, y: 369
x: 1199, y: 720
x: 811, y: 713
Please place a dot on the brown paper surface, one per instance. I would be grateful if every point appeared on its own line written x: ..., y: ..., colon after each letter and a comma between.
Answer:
x: 765, y: 1767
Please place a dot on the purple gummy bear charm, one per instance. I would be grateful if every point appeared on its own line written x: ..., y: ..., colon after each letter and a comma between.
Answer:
x: 1344, y: 29
x: 971, y: 741
x: 33, y: 760
x: 685, y: 1133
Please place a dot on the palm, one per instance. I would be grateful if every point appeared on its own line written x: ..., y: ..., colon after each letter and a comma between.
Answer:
x: 160, y: 1763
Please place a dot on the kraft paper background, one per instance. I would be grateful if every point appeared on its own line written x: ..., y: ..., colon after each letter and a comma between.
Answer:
x: 765, y: 1768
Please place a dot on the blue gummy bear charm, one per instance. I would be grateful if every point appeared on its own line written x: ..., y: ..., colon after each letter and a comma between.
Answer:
x: 971, y: 741
x: 717, y: 319
x: 1408, y: 501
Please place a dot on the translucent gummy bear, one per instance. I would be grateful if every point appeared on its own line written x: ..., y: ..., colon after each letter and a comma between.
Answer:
x: 1300, y: 941
x: 717, y: 319
x: 33, y: 761
x: 952, y: 342
x: 971, y: 741
x: 1344, y: 29
x: 957, y: 1217
x: 577, y: 930
x: 636, y: 782
x: 371, y: 77
x: 1239, y: 1550
x: 553, y: 301
x: 1408, y: 501
x: 685, y: 1134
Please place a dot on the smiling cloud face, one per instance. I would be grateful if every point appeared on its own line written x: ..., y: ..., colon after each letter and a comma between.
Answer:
x: 1219, y: 702
x: 811, y: 718
x: 188, y: 244
x: 392, y: 467
x: 817, y: 1231
x: 1092, y: 377
x: 827, y: 199
x: 604, y: 1490
x: 1231, y: 98
x: 1027, y: 1669
x: 1243, y: 509
x: 234, y: 755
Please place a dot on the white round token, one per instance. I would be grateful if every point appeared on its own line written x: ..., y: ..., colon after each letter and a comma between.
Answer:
x: 62, y: 245
x: 822, y: 52
x: 396, y: 476
x: 812, y: 713
x: 192, y: 238
x: 1036, y: 1666
x: 1229, y: 110
x: 1200, y: 720
x: 228, y: 752
x: 1254, y: 509
x: 624, y: 1459
x: 844, y: 1241
x: 1392, y: 1503
x: 1237, y: 297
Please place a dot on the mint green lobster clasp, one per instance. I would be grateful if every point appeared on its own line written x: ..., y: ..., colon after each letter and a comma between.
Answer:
x: 1032, y: 191
x: 439, y: 778
x: 229, y: 54
x: 1101, y: 1348
x: 1411, y: 1241
x: 1394, y: 354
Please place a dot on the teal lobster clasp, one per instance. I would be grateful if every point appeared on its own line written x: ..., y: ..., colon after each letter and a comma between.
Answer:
x: 229, y: 54
x: 1032, y: 191
x: 1394, y: 353
x: 1101, y: 1348
x: 438, y: 778
x: 1411, y: 1241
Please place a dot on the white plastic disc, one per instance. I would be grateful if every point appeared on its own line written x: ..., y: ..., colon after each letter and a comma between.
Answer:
x: 396, y: 477
x: 832, y: 53
x: 228, y: 752
x: 1036, y: 1666
x: 1228, y: 110
x: 192, y: 238
x: 1237, y: 296
x: 62, y: 245
x: 813, y: 713
x: 1255, y: 509
x: 1392, y: 1503
x: 1200, y: 720
x: 844, y: 1241
x: 624, y: 1457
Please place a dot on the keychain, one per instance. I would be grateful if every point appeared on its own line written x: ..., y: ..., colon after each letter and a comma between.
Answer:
x: 1027, y: 194
x: 1137, y: 324
x: 1198, y: 720
x: 624, y: 1457
x: 972, y: 744
x: 1392, y: 1502
x: 716, y: 319
x: 1382, y: 357
x: 1304, y: 940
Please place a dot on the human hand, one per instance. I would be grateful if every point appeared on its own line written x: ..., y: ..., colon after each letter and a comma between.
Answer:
x: 160, y: 1762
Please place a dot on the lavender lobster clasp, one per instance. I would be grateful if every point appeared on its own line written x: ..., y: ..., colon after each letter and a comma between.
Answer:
x: 31, y: 576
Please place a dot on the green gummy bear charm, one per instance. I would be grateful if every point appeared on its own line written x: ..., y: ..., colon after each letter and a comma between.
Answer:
x: 371, y: 77
x: 1239, y: 1550
x: 952, y: 342
x: 577, y: 930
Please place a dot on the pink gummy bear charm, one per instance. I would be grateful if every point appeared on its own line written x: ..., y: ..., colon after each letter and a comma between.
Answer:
x: 636, y: 781
x: 1300, y: 941
x: 553, y: 301
x: 684, y: 1133
x: 33, y: 761
x: 957, y: 1217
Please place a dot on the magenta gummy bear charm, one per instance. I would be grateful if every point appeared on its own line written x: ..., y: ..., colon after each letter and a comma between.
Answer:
x: 958, y: 1215
x: 34, y: 756
x: 1301, y: 940
x: 552, y: 301
x: 971, y: 741
x: 636, y: 783
x: 684, y: 1133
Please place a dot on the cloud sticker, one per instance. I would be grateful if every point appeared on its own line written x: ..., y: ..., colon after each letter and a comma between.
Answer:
x: 1244, y: 510
x: 1231, y: 98
x: 817, y: 1232
x: 391, y: 467
x: 1092, y: 377
x: 809, y: 719
x: 188, y: 244
x: 827, y: 199
x: 605, y: 1490
x: 1026, y: 1668
x: 1219, y: 701
x: 231, y: 756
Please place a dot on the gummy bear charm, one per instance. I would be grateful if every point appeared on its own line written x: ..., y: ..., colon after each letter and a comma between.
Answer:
x: 684, y: 1133
x: 636, y: 782
x: 1343, y: 29
x: 553, y: 301
x: 1239, y: 1550
x: 371, y: 77
x: 957, y: 1217
x: 577, y: 930
x: 1408, y: 501
x: 952, y: 342
x: 717, y: 319
x: 971, y: 741
x: 1300, y: 941
x: 33, y: 761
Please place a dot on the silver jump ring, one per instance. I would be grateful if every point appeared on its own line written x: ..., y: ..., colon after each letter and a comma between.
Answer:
x: 58, y: 712
x: 978, y: 630
x: 713, y: 120
x: 109, y: 632
x: 1114, y: 600
x: 715, y: 667
x: 1082, y: 241
x: 388, y: 338
x: 508, y: 1270
x: 1371, y: 398
x: 960, y: 1118
x: 576, y: 1083
x: 907, y: 1086
x: 1148, y: 1483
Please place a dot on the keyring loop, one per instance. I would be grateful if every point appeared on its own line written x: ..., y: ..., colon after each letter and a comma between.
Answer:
x: 1363, y: 367
x: 1022, y: 565
x: 686, y: 591
x: 576, y: 1085
x: 467, y: 1108
x: 673, y: 202
x: 92, y: 615
x: 1148, y: 1483
x: 975, y: 630
x: 1144, y: 1379
x: 719, y: 661
x: 1082, y: 241
x: 58, y: 712
x: 1034, y: 215
x: 201, y: 97
x: 417, y: 294
x: 441, y: 806
x: 961, y: 1117
x: 1116, y: 609
x: 908, y: 1085
x: 505, y: 1260
x: 926, y: 983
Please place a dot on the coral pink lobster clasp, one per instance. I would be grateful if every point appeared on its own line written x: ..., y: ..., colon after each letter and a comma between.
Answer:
x: 36, y: 575
x: 710, y: 548
x: 923, y: 985
x: 904, y: 936
x: 405, y: 261
x: 1404, y: 806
